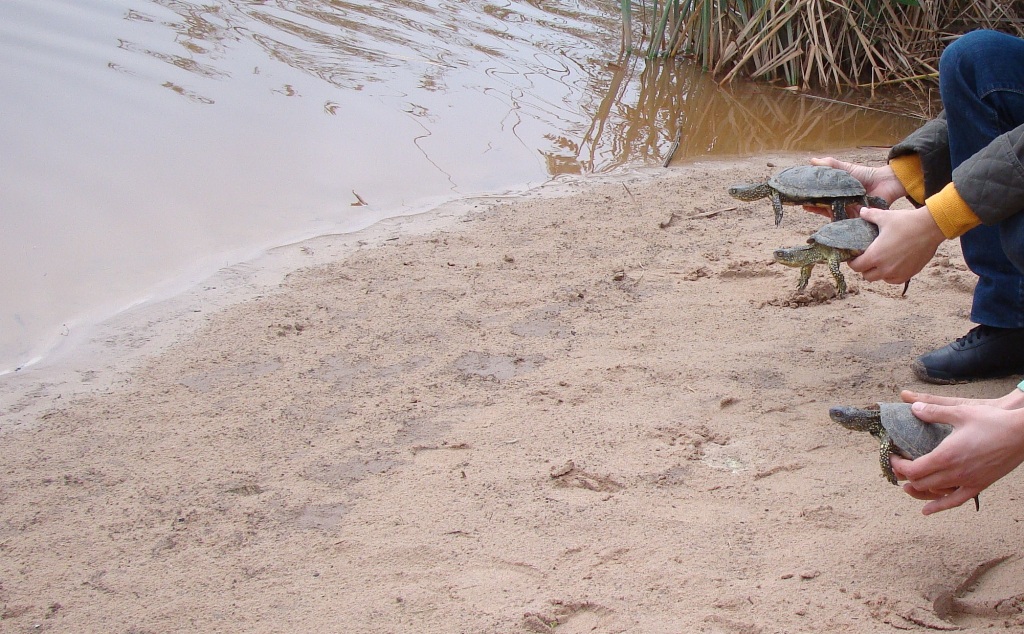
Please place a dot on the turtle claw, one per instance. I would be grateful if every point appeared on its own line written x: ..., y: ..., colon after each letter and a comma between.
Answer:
x: 777, y: 206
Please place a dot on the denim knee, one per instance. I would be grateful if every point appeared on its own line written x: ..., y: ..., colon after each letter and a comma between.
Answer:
x: 982, y: 60
x: 981, y: 80
x: 973, y: 47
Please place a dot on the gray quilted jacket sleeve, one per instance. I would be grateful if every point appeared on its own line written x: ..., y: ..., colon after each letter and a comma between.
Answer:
x: 991, y: 182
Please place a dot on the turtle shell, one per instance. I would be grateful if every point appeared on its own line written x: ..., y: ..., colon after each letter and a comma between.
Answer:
x: 816, y: 181
x: 909, y: 434
x: 854, y: 234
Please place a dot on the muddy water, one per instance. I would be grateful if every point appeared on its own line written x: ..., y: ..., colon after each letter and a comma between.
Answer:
x: 147, y: 143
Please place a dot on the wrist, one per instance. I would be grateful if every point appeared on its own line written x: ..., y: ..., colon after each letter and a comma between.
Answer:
x: 930, y: 229
x: 1015, y: 399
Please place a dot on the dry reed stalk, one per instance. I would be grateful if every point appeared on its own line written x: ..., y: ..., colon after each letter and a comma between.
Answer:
x: 818, y: 43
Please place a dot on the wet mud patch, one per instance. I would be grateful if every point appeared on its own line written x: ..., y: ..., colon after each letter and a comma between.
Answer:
x: 543, y: 327
x: 342, y: 372
x: 352, y: 470
x: 542, y: 322
x: 207, y: 381
x: 321, y: 516
x: 886, y: 351
x: 669, y: 478
x: 497, y: 367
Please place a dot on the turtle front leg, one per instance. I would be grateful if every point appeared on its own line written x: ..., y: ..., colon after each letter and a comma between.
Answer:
x: 805, y: 276
x: 837, y: 275
x: 876, y: 202
x: 839, y: 209
x: 884, y: 453
x: 776, y: 198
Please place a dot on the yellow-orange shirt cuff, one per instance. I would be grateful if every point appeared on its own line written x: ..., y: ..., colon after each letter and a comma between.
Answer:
x: 951, y: 213
x: 910, y: 173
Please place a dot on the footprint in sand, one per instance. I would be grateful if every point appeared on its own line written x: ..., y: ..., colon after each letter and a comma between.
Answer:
x: 991, y: 594
x: 570, y: 618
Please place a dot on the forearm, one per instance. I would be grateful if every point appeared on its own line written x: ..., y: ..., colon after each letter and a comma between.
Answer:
x: 951, y: 213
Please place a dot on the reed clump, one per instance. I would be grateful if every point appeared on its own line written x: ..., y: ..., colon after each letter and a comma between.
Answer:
x: 829, y: 44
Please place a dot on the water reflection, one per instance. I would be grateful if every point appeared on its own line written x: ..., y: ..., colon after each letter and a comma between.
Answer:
x: 670, y: 111
x: 150, y: 142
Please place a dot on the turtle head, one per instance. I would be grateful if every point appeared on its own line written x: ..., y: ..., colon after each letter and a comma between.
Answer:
x: 856, y: 419
x: 795, y: 256
x: 749, y: 191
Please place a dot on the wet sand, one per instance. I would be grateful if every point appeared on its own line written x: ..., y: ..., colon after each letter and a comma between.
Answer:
x: 601, y: 409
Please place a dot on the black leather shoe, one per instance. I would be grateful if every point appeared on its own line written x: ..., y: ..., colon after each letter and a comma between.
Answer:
x: 983, y: 353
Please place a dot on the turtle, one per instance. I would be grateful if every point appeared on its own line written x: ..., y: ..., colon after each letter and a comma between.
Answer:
x: 816, y: 185
x: 898, y: 432
x: 833, y: 243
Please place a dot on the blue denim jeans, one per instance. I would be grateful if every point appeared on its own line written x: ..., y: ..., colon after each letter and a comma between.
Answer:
x: 981, y: 81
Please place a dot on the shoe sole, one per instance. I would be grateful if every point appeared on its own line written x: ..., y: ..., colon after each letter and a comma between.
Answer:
x: 921, y: 372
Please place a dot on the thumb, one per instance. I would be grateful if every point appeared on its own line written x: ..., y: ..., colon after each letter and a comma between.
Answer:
x: 831, y: 162
x: 899, y: 466
x: 872, y: 215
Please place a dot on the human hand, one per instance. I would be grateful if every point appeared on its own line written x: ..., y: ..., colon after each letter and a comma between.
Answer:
x: 987, y: 443
x: 1013, y: 400
x: 907, y: 240
x: 877, y: 181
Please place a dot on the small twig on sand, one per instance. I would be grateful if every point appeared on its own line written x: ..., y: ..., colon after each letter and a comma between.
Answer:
x: 705, y: 214
x: 708, y: 214
x: 792, y: 466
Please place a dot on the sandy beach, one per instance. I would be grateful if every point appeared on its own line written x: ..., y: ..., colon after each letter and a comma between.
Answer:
x: 599, y: 408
